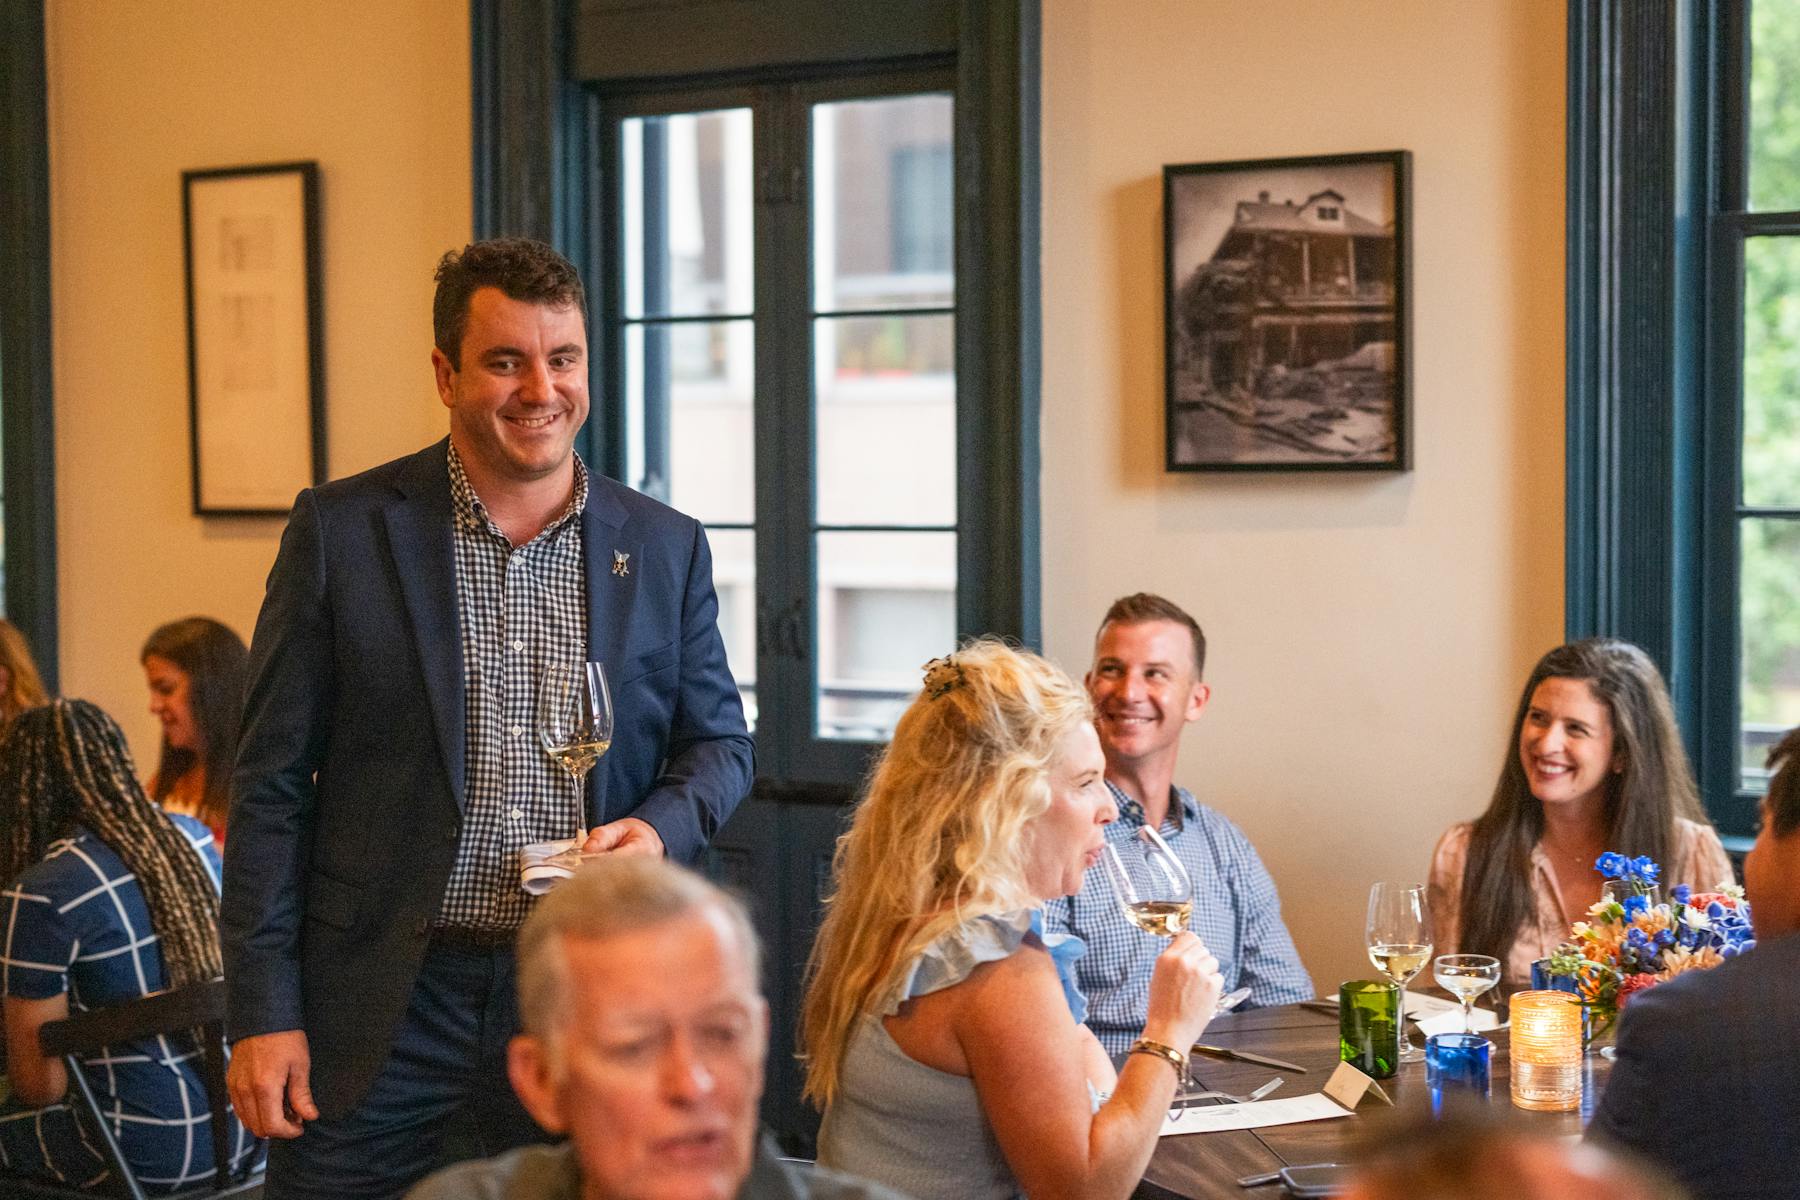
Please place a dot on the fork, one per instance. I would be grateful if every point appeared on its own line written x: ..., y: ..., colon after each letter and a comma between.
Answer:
x: 1189, y: 1098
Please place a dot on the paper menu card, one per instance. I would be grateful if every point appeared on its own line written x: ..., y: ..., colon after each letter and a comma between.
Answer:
x: 1259, y: 1114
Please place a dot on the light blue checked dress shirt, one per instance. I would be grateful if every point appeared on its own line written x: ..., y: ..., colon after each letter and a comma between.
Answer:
x: 1236, y: 913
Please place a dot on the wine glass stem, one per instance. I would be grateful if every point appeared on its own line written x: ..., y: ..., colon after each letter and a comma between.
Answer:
x: 1468, y: 1005
x: 1405, y: 1037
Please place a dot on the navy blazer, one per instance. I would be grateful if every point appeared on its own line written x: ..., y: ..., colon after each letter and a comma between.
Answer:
x: 1707, y: 1082
x: 349, y: 788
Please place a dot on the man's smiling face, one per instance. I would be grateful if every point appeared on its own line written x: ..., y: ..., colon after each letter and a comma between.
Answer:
x: 520, y: 391
x: 1146, y: 688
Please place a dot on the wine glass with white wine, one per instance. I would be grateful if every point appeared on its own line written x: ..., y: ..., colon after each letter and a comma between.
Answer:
x: 575, y: 721
x: 1467, y: 976
x: 1398, y: 934
x: 1150, y: 884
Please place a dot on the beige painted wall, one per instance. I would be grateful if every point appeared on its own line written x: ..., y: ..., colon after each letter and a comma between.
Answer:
x: 1368, y: 633
x: 378, y: 94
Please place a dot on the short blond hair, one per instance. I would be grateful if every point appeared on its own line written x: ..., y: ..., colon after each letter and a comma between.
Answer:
x: 606, y: 898
x: 938, y: 836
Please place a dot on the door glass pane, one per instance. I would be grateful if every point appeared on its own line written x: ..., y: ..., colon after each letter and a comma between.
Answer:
x: 734, y: 578
x: 886, y: 394
x: 687, y: 206
x: 1775, y: 105
x: 1772, y: 371
x: 886, y: 605
x: 1770, y: 620
x: 882, y: 177
x: 689, y: 389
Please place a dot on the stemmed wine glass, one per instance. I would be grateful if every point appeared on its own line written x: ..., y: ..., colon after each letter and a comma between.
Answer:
x: 1398, y: 934
x: 1150, y: 883
x: 1154, y: 891
x: 575, y: 721
x: 1622, y: 889
x: 1467, y: 975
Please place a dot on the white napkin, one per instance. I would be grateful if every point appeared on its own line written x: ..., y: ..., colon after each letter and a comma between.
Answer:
x: 1452, y: 1022
x: 543, y: 865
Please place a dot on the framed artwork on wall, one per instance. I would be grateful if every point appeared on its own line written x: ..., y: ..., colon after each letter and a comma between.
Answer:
x: 1287, y: 314
x: 256, y: 382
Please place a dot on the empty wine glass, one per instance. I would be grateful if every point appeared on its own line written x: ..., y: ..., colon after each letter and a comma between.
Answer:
x: 1620, y: 890
x: 575, y: 721
x: 1398, y: 934
x: 1467, y: 975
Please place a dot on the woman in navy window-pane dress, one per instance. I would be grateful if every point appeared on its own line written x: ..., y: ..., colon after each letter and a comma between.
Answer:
x: 104, y: 898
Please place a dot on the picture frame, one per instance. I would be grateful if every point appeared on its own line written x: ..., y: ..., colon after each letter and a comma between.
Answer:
x: 256, y: 377
x: 1287, y: 314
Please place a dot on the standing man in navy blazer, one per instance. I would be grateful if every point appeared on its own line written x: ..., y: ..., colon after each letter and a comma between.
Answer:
x: 390, y: 771
x: 1707, y: 1082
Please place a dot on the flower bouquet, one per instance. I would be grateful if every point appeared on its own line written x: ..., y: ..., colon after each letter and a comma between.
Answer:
x: 1628, y: 943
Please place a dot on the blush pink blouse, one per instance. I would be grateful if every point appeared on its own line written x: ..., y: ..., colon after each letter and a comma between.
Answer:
x: 1699, y: 861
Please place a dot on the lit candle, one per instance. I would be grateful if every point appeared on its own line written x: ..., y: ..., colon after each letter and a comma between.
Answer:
x: 1546, y: 1051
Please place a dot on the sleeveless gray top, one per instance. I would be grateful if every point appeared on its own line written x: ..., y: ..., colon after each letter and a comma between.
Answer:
x: 916, y: 1129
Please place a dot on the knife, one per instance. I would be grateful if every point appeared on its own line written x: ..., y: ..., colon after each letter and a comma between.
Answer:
x: 1246, y: 1056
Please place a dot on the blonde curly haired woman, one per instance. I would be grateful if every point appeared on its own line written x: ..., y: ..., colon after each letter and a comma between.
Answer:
x: 942, y: 1026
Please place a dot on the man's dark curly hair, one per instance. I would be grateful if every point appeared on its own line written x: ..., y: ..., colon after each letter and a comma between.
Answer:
x: 523, y: 268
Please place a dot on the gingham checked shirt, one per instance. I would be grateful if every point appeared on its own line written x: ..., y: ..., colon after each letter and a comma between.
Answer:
x: 1236, y: 913
x: 520, y: 609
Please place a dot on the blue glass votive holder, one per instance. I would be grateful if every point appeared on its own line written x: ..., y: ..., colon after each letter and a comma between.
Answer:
x: 1457, y: 1068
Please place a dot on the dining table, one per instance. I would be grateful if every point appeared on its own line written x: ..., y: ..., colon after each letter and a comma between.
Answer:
x: 1201, y: 1166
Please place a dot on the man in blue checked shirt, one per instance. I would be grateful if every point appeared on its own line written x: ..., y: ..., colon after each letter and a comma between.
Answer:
x: 1146, y: 687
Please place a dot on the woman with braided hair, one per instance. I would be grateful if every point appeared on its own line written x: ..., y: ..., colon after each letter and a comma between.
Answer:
x: 104, y: 898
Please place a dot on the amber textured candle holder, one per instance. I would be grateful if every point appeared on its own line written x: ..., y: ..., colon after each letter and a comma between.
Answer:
x: 1546, y: 1051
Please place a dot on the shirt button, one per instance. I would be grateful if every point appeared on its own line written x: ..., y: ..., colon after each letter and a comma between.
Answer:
x: 518, y: 645
x: 517, y: 731
x: 517, y: 814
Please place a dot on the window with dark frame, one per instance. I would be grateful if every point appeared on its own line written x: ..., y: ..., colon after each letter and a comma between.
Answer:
x: 784, y: 346
x: 1757, y: 229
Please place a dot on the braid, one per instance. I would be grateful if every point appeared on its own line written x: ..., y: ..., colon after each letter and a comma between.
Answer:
x: 72, y: 766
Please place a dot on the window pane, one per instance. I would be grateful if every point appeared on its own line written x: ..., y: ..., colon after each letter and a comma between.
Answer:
x: 1775, y: 105
x: 882, y: 177
x: 687, y: 208
x: 887, y: 604
x: 886, y: 395
x: 689, y: 419
x: 734, y: 577
x: 1772, y: 372
x: 1770, y: 598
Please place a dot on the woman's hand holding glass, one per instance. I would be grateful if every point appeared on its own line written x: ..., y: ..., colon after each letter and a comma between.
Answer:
x: 1185, y: 986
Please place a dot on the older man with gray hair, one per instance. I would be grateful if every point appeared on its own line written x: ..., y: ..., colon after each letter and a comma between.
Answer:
x: 645, y: 1033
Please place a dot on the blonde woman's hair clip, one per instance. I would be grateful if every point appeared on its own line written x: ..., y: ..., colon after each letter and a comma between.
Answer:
x: 942, y: 675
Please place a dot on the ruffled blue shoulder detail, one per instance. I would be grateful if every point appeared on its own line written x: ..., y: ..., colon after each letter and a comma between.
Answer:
x: 956, y: 954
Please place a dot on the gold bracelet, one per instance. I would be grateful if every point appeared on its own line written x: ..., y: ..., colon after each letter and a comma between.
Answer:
x: 1169, y: 1054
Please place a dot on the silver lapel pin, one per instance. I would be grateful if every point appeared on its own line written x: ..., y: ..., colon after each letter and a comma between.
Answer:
x: 621, y: 563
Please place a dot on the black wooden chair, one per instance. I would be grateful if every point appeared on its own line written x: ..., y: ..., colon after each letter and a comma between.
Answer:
x: 200, y: 1008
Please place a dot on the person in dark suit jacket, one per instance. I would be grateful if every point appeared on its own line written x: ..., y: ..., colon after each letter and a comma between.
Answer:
x: 1707, y: 1081
x: 390, y: 771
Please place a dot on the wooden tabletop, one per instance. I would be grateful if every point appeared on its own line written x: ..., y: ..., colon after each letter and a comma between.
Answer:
x: 1206, y: 1165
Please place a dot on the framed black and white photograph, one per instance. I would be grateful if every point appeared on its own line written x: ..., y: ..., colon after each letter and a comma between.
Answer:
x: 1287, y: 313
x: 256, y: 386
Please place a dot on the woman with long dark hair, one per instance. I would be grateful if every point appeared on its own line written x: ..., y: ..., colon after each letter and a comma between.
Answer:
x: 195, y: 670
x: 104, y: 898
x: 1594, y: 763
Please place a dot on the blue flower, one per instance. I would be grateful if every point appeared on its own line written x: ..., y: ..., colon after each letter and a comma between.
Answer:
x: 1611, y: 864
x: 1681, y: 892
x: 1634, y: 905
x: 1645, y: 868
x: 1715, y: 910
